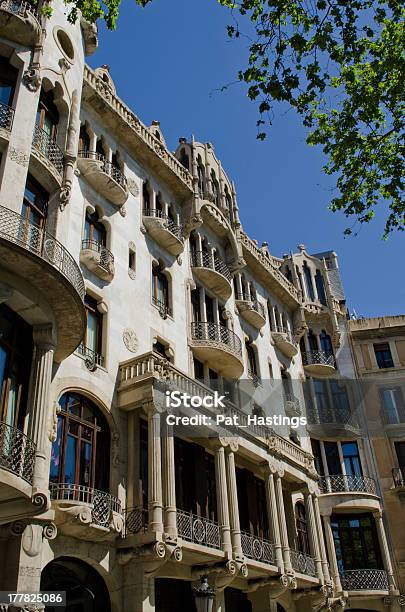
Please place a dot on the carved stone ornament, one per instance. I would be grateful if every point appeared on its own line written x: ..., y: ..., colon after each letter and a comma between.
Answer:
x: 130, y: 340
x: 32, y: 79
x: 19, y: 157
x: 123, y: 211
x: 133, y: 187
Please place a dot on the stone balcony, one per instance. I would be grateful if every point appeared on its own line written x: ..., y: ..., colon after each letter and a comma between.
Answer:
x: 164, y: 231
x: 365, y: 580
x: 106, y: 178
x: 19, y: 22
x: 17, y: 460
x: 251, y: 310
x: 86, y: 513
x: 285, y: 341
x: 213, y: 273
x: 219, y: 346
x: 48, y: 153
x: 34, y: 257
x: 319, y: 363
x: 139, y: 374
x: 98, y: 259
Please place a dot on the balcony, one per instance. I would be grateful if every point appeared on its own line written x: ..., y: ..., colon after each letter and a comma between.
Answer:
x: 332, y: 420
x: 6, y: 120
x: 257, y: 549
x: 30, y: 254
x: 292, y: 406
x: 302, y: 563
x: 103, y: 176
x: 341, y: 483
x: 364, y: 580
x: 213, y: 273
x: 251, y: 310
x: 198, y: 530
x: 19, y: 22
x: 164, y: 231
x: 219, y: 346
x: 285, y: 342
x: 85, y: 512
x: 318, y: 363
x: 48, y: 152
x: 98, y: 259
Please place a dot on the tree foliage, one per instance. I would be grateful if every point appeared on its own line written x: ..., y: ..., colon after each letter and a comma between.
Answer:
x: 340, y: 65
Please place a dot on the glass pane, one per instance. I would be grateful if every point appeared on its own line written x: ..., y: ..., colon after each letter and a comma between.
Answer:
x: 12, y: 401
x: 85, y: 464
x: 92, y: 332
x: 55, y: 454
x: 70, y: 460
x: 3, y: 361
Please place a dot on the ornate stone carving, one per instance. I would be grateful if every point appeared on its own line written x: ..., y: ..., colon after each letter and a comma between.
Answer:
x: 31, y: 539
x: 133, y: 187
x: 123, y: 211
x: 50, y: 531
x: 130, y: 340
x: 19, y: 157
x: 32, y: 78
x: 40, y: 500
x: 17, y: 528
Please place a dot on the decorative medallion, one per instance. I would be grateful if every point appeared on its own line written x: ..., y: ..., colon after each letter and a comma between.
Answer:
x: 130, y: 340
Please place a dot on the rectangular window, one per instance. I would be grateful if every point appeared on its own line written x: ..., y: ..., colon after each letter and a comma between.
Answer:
x: 92, y: 344
x: 393, y: 405
x: 351, y: 458
x: 332, y: 458
x: 316, y: 451
x: 383, y: 355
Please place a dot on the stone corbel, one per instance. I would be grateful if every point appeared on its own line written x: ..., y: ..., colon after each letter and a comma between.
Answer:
x: 32, y: 75
x: 225, y: 573
x: 276, y: 585
x: 153, y: 555
x: 191, y: 224
x: 319, y: 598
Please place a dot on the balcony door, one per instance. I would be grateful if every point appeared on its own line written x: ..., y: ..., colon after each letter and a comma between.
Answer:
x: 400, y: 451
x: 34, y: 211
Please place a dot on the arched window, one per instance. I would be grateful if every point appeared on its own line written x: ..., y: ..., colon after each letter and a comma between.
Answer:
x: 100, y: 150
x: 302, y: 529
x: 95, y: 234
x: 251, y: 359
x: 215, y: 189
x: 81, y: 452
x: 270, y: 313
x: 312, y: 341
x: 326, y: 343
x: 84, y: 139
x: 47, y: 114
x: 228, y: 204
x: 320, y: 287
x: 308, y: 282
x: 160, y: 290
x: 200, y: 175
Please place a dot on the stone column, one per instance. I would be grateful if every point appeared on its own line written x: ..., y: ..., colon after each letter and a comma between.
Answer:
x: 282, y: 521
x: 222, y: 498
x: 322, y: 550
x: 273, y: 517
x: 155, y: 505
x: 169, y: 483
x: 233, y: 501
x: 330, y: 544
x: 312, y: 534
x: 39, y: 426
x: 385, y: 553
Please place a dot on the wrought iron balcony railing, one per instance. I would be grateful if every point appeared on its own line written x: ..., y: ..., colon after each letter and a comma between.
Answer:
x: 48, y: 147
x: 163, y: 307
x: 17, y: 452
x: 257, y: 548
x: 105, y: 166
x: 318, y: 358
x: 343, y: 483
x: 6, y: 116
x: 211, y: 332
x: 364, y: 580
x: 202, y: 259
x: 302, y: 563
x: 254, y: 303
x: 198, y: 530
x: 19, y: 7
x: 35, y: 239
x: 136, y: 520
x: 90, y: 355
x: 103, y: 504
x: 168, y: 223
x: 106, y: 257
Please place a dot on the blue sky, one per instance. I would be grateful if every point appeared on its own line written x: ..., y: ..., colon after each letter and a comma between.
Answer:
x: 168, y: 62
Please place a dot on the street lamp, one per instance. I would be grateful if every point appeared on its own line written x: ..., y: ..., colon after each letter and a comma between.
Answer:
x: 204, y: 596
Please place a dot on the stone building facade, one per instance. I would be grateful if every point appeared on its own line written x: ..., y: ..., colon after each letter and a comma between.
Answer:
x: 125, y: 272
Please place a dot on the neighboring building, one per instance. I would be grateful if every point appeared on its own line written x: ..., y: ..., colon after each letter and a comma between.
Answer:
x: 379, y: 350
x: 125, y: 271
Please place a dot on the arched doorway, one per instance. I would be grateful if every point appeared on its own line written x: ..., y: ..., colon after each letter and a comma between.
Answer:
x: 85, y: 589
